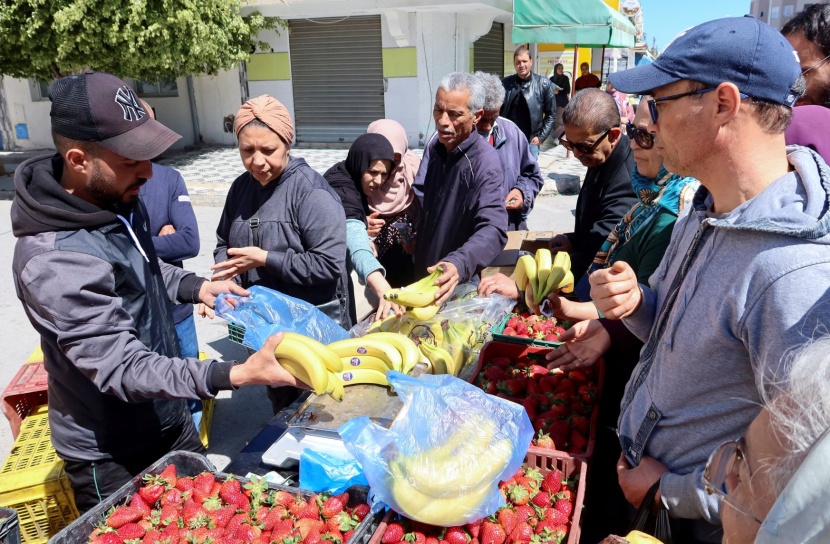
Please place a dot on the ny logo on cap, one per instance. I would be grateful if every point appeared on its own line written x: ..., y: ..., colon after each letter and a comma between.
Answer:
x: 132, y: 108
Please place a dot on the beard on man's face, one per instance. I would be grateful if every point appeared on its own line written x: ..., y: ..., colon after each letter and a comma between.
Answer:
x: 105, y: 192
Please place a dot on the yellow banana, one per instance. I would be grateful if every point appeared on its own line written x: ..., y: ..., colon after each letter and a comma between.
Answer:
x: 329, y: 358
x: 457, y: 345
x: 424, y: 313
x: 568, y: 283
x: 418, y: 294
x: 407, y: 348
x: 437, y: 356
x: 636, y: 537
x: 525, y: 272
x: 554, y: 278
x: 430, y: 331
x: 335, y: 387
x: 365, y: 361
x: 369, y: 345
x: 543, y: 267
x: 302, y: 363
x: 362, y: 376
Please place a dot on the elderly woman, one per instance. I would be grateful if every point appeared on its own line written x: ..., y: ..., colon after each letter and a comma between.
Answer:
x: 365, y: 171
x: 282, y: 226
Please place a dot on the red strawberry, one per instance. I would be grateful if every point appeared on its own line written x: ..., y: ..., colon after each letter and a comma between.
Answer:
x: 542, y: 499
x: 524, y: 513
x: 522, y: 533
x: 342, y: 521
x: 514, y: 387
x: 331, y: 507
x: 456, y: 535
x: 313, y: 537
x: 184, y: 484
x: 309, y: 511
x: 552, y: 481
x: 474, y: 527
x: 361, y: 511
x: 432, y: 540
x: 509, y: 331
x: 152, y: 490
x: 578, y: 444
x: 347, y: 535
x: 544, y: 440
x: 537, y: 370
x: 564, y: 506
x: 236, y: 522
x: 501, y: 361
x: 172, y: 497
x: 492, y: 533
x: 508, y: 519
x: 557, y: 516
x: 394, y: 534
x: 297, y: 503
x: 306, y: 525
x: 495, y: 373
x: 580, y: 423
x: 131, y: 531
x: 122, y: 516
x: 565, y: 493
x: 169, y: 475
x: 110, y: 538
x: 152, y: 537
x: 518, y: 495
x: 222, y: 516
x: 139, y: 504
x: 416, y: 537
x: 282, y: 497
x: 248, y: 532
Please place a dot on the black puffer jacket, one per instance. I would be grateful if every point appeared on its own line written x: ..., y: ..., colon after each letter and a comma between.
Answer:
x: 541, y: 101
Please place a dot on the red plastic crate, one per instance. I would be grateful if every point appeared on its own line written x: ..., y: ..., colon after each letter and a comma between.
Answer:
x: 26, y: 391
x: 545, y: 462
x: 514, y: 351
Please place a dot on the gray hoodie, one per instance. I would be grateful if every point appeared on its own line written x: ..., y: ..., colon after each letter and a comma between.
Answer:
x: 754, y: 287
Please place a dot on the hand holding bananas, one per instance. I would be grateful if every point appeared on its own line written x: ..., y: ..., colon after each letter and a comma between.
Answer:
x: 540, y: 276
x: 447, y: 281
x: 262, y: 368
x: 420, y: 297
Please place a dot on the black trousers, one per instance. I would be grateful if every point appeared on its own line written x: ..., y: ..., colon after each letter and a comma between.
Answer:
x: 94, y: 481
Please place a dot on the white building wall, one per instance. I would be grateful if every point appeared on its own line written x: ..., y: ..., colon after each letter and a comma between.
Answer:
x: 174, y: 112
x: 217, y: 97
x: 401, y: 96
x: 23, y: 110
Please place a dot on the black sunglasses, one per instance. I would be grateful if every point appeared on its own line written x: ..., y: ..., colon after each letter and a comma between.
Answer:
x: 652, y: 104
x: 585, y: 149
x: 641, y: 136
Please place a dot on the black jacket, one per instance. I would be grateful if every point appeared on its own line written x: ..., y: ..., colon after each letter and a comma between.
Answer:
x: 541, y: 102
x: 605, y: 197
x: 95, y: 291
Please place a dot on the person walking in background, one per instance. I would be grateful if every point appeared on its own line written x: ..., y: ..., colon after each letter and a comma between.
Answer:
x: 587, y: 80
x: 809, y: 34
x: 621, y: 99
x: 529, y: 101
x: 561, y: 92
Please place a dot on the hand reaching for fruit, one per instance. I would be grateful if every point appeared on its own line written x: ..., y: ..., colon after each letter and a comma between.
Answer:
x: 585, y: 343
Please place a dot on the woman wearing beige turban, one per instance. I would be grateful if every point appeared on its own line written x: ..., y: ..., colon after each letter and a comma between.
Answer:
x: 282, y: 227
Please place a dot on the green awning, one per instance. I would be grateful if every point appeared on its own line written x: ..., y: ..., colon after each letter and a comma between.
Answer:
x: 587, y: 23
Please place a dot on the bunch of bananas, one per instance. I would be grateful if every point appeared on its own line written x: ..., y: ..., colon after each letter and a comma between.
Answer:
x: 418, y: 297
x: 544, y: 276
x: 312, y: 363
x: 366, y: 359
x: 442, y: 485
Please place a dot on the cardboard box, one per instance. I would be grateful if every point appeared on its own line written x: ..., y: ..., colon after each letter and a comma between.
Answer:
x: 519, y: 240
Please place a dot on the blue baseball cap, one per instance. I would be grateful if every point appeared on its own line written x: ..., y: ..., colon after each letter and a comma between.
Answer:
x: 741, y: 50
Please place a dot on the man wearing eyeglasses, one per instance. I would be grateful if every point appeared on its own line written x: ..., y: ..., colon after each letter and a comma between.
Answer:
x: 745, y: 276
x: 809, y: 34
x: 594, y: 135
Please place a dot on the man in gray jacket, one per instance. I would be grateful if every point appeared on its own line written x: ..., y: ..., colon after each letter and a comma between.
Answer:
x: 744, y: 278
x: 87, y: 274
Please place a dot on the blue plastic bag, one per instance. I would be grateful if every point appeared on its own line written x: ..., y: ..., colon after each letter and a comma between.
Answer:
x: 442, y: 458
x: 265, y: 312
x: 331, y: 473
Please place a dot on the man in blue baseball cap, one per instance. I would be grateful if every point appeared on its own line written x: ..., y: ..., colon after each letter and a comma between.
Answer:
x: 745, y: 276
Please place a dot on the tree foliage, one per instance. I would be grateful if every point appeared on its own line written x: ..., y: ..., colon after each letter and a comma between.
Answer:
x: 141, y: 39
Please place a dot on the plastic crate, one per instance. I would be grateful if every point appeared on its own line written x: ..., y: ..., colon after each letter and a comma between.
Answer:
x: 25, y: 391
x: 236, y: 333
x: 33, y: 482
x: 36, y: 356
x: 498, y: 335
x: 188, y: 464
x: 515, y: 351
x: 569, y: 466
x: 9, y: 526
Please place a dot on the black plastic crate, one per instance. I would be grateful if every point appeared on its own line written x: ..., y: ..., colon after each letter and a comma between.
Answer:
x: 236, y: 333
x: 191, y: 464
x: 10, y: 526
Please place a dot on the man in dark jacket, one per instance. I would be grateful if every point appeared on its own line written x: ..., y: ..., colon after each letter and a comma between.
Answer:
x: 463, y: 225
x: 87, y: 274
x: 593, y: 134
x: 529, y: 101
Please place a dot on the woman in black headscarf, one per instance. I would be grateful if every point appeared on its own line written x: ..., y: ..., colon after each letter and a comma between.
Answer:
x: 366, y: 169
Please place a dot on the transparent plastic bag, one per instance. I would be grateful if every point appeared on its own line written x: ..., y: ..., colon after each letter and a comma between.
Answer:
x: 265, y: 312
x: 442, y: 458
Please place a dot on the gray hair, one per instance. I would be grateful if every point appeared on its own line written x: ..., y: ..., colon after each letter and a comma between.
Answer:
x: 463, y: 81
x: 592, y: 110
x: 799, y: 407
x: 493, y: 90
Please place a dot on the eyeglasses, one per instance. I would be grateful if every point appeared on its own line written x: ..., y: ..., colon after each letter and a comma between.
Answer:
x: 641, y: 136
x: 723, y: 462
x: 585, y: 149
x: 652, y: 104
x: 816, y: 65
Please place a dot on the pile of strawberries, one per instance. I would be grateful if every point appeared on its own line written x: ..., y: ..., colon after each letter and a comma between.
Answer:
x: 201, y: 510
x: 539, y: 510
x: 535, y: 327
x: 558, y: 404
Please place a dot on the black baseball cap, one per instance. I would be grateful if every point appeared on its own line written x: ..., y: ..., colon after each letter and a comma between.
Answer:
x: 99, y: 107
x: 742, y: 50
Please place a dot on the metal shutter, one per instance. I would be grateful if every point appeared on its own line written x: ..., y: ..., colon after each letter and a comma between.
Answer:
x: 488, y: 51
x: 337, y: 75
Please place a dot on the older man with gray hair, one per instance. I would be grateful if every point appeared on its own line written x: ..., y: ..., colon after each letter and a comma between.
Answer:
x: 463, y: 225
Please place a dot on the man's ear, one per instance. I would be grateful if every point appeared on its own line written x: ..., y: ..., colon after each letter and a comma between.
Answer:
x: 78, y: 160
x: 614, y: 135
x: 477, y: 116
x: 729, y: 102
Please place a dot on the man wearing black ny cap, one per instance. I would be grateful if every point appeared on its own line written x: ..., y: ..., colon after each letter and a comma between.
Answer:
x: 744, y: 278
x: 88, y: 277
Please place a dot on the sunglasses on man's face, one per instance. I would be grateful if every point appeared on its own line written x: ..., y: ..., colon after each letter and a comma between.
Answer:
x: 585, y: 149
x: 641, y: 136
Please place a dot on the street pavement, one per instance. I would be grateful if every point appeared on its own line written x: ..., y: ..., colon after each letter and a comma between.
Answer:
x: 240, y: 414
